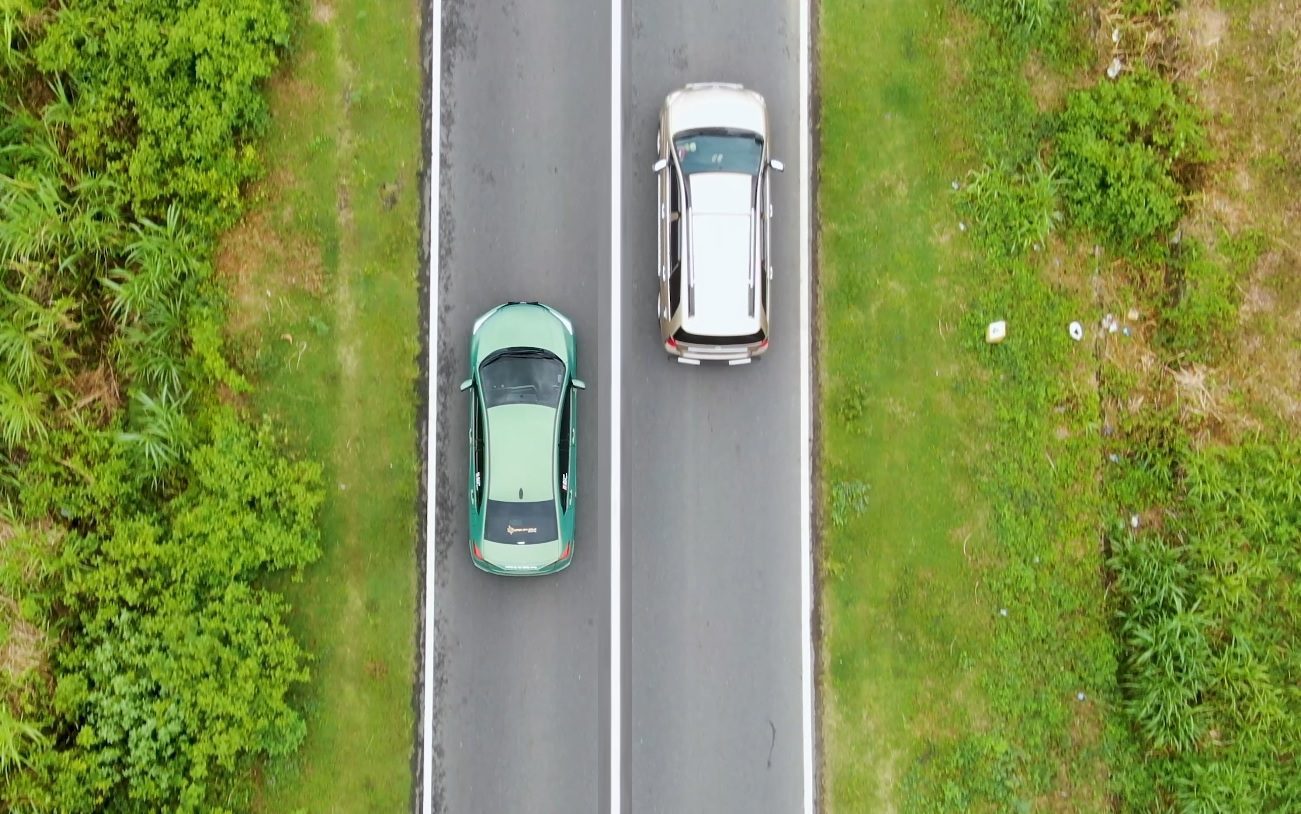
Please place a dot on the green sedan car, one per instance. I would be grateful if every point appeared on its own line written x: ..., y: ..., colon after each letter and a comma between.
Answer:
x: 523, y: 440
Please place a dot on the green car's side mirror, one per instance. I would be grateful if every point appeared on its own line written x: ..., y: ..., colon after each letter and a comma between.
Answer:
x: 579, y: 384
x: 467, y: 384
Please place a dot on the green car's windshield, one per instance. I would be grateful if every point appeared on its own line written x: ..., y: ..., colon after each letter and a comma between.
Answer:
x: 719, y: 151
x: 522, y: 376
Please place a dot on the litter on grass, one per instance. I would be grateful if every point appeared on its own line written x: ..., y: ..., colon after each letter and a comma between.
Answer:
x: 996, y: 332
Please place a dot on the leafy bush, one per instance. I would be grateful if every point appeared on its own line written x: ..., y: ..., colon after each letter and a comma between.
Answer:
x: 1126, y: 150
x: 1012, y: 210
x: 1051, y: 26
x: 1204, y: 304
x: 165, y: 95
x: 848, y: 500
x: 178, y: 665
x: 1209, y: 615
x: 1204, y: 296
x: 158, y: 513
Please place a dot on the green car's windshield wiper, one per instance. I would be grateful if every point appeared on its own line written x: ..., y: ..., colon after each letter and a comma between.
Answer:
x: 520, y: 353
x: 522, y: 376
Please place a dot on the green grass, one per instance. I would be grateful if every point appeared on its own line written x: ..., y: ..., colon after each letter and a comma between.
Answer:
x: 904, y: 625
x: 980, y: 461
x: 324, y: 276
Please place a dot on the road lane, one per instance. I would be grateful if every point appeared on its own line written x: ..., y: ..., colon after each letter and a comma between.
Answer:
x: 524, y: 199
x: 712, y: 456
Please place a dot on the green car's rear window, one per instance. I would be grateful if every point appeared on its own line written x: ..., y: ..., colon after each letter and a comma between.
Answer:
x: 520, y: 523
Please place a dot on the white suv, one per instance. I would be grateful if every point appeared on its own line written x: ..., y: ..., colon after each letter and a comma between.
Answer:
x: 715, y: 206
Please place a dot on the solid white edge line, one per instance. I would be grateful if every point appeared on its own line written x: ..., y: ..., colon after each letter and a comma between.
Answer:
x: 616, y: 418
x: 806, y: 541
x: 431, y: 397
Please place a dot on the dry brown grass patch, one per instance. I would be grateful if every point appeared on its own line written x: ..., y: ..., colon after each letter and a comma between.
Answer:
x: 1244, y: 66
x: 98, y: 387
x: 23, y: 651
x: 265, y: 239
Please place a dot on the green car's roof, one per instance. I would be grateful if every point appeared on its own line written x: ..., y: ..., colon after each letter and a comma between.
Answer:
x: 521, y: 452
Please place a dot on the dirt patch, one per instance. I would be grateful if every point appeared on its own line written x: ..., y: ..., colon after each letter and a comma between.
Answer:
x: 24, y: 645
x: 23, y: 651
x: 263, y: 240
x: 288, y: 90
x: 97, y: 387
x: 1048, y: 87
x: 1202, y: 28
x: 1268, y: 355
x: 322, y: 13
x: 1244, y: 66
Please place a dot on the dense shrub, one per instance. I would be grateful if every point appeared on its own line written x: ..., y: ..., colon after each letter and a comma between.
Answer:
x: 1012, y: 210
x: 1210, y: 617
x: 177, y: 665
x: 1049, y: 26
x: 1125, y: 151
x: 1204, y: 304
x: 140, y: 516
x: 165, y: 95
x: 1203, y: 300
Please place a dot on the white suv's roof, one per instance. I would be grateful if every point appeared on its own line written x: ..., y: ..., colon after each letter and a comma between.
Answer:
x: 716, y: 105
x: 722, y: 246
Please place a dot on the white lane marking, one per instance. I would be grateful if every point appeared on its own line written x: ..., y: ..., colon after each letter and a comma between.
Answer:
x: 431, y: 418
x: 806, y: 542
x: 616, y: 417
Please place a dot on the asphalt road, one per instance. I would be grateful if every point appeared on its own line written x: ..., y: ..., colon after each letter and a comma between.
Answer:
x: 711, y: 461
x: 710, y: 481
x: 525, y: 189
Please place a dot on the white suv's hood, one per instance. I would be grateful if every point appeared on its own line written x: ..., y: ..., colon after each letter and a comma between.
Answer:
x: 706, y: 107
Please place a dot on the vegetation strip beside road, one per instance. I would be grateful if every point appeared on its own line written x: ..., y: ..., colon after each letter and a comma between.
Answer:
x: 324, y: 272
x: 908, y: 632
x: 145, y: 663
x: 1124, y: 576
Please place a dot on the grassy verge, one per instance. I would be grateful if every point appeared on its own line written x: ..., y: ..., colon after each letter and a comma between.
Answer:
x: 905, y: 629
x: 323, y: 271
x: 967, y: 661
x: 1126, y: 595
x: 1205, y: 456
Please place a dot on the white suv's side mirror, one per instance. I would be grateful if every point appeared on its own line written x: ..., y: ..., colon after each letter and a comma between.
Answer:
x: 578, y: 384
x: 659, y: 166
x: 467, y: 384
x: 777, y: 165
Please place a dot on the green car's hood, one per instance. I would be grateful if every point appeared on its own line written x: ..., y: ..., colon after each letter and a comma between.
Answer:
x: 521, y: 325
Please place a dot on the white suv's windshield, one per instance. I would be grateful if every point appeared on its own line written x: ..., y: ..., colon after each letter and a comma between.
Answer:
x: 719, y: 151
